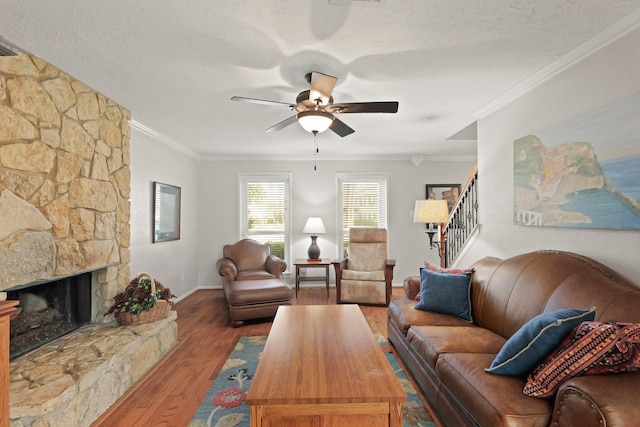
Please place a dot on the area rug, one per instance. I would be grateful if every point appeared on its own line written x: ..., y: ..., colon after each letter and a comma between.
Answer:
x: 224, y: 404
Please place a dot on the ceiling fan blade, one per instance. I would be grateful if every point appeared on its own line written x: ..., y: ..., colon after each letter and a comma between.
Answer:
x: 363, y: 107
x: 260, y: 101
x: 321, y: 87
x: 339, y: 127
x: 283, y: 124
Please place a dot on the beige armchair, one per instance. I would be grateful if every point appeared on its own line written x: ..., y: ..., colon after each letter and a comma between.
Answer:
x: 253, y: 285
x: 365, y: 276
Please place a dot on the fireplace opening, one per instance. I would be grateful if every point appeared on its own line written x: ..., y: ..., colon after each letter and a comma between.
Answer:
x: 48, y: 311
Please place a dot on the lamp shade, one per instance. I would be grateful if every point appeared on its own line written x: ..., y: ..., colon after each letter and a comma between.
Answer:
x: 314, y: 225
x: 431, y: 211
x: 315, y: 121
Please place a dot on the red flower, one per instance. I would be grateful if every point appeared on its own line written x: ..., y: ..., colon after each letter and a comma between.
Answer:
x: 229, y: 398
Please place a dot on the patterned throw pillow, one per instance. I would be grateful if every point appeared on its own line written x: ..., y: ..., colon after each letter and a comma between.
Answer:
x: 592, y: 348
x: 438, y: 269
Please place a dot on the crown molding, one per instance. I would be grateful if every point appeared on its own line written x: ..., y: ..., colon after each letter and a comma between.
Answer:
x: 164, y: 139
x: 332, y: 158
x: 172, y: 143
x: 299, y: 157
x: 599, y: 41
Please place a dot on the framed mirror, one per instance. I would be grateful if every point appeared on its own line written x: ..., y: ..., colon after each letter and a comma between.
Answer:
x: 166, y: 212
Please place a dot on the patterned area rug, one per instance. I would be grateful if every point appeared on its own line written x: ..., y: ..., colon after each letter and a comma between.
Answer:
x: 224, y: 404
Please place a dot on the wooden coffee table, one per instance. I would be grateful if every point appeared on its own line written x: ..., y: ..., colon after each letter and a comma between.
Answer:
x: 322, y: 366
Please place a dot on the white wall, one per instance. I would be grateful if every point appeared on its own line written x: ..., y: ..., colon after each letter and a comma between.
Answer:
x: 314, y: 193
x: 210, y: 189
x: 173, y: 263
x: 605, y: 77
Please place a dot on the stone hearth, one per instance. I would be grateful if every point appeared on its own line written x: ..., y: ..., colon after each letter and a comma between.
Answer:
x: 72, y: 381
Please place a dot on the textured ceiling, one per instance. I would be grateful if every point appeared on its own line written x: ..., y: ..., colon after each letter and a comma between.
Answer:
x: 176, y: 64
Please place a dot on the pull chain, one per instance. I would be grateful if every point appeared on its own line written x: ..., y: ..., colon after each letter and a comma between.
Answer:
x: 315, y: 153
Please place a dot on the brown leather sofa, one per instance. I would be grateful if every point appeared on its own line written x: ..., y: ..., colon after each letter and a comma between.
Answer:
x: 253, y: 285
x: 447, y: 356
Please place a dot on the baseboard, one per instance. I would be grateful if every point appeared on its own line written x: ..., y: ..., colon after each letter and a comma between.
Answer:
x: 183, y: 296
x: 331, y: 285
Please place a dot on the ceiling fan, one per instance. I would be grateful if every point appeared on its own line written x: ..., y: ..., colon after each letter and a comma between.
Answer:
x: 316, y: 110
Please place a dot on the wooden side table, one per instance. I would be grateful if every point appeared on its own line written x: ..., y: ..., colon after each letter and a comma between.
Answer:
x: 305, y: 263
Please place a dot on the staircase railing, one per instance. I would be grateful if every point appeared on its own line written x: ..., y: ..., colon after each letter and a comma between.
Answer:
x: 463, y: 219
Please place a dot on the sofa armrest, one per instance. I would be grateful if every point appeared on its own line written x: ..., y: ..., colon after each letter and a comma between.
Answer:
x: 598, y: 400
x: 412, y: 286
x: 227, y: 269
x: 275, y: 266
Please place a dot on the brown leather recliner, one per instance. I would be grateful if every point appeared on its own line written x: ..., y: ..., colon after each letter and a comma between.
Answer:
x: 253, y: 285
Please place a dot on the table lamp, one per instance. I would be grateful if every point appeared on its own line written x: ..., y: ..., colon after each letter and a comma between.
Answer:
x: 314, y: 226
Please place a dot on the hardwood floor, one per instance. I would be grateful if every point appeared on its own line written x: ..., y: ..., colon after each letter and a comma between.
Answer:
x: 171, y: 392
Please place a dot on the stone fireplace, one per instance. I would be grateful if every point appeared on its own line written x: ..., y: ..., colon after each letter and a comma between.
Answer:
x: 64, y: 180
x: 64, y: 210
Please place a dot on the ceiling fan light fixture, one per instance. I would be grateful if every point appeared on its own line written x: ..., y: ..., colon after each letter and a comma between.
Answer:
x: 315, y: 121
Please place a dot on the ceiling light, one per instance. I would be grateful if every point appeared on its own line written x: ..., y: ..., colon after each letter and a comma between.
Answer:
x: 315, y: 121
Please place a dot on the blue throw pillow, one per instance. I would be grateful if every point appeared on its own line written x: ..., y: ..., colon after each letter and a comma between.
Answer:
x: 536, y: 339
x: 445, y: 293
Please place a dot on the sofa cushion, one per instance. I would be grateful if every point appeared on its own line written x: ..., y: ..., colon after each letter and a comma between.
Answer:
x: 536, y: 339
x: 363, y: 291
x: 402, y: 312
x: 254, y: 275
x: 250, y: 292
x: 492, y: 400
x: 367, y: 256
x: 376, y: 276
x: 592, y: 348
x: 432, y: 341
x: 445, y: 293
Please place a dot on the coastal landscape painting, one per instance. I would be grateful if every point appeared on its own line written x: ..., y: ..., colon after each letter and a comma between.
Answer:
x: 583, y: 173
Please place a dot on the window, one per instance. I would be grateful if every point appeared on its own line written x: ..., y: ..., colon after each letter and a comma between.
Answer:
x: 264, y: 210
x: 362, y: 202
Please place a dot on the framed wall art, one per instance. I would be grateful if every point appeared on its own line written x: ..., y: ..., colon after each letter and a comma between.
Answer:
x: 448, y: 192
x: 166, y: 212
x: 581, y: 173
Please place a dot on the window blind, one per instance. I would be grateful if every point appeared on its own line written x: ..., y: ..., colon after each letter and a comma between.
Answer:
x: 362, y: 201
x: 264, y: 210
